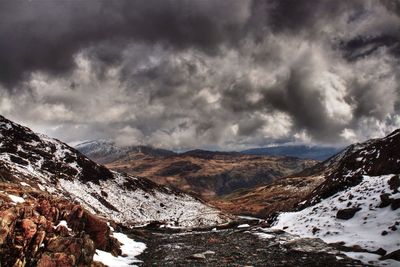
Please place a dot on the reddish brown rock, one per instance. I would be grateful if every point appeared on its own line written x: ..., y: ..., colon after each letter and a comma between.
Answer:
x: 98, y: 230
x: 56, y: 260
x: 97, y: 264
x: 39, y: 238
x: 82, y: 249
x: 28, y: 236
x: 29, y: 228
x: 44, y: 208
x: 7, y: 219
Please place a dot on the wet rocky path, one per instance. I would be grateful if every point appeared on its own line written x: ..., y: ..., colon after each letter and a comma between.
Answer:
x: 249, y: 246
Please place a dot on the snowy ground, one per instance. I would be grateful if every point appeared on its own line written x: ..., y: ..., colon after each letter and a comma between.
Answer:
x: 140, y: 207
x: 364, y: 229
x: 130, y: 249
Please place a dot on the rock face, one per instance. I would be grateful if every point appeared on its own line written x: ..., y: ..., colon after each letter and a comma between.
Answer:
x: 52, y: 166
x: 41, y: 230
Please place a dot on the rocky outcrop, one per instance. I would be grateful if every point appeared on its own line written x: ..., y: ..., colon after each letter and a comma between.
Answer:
x: 41, y: 230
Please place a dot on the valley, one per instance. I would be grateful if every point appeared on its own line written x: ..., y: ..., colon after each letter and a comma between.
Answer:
x: 207, y: 174
x: 60, y: 208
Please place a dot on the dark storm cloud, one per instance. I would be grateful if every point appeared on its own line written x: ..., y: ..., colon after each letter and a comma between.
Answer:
x: 211, y: 74
x: 44, y: 35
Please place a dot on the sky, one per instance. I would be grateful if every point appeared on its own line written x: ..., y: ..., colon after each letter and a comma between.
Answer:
x: 205, y: 74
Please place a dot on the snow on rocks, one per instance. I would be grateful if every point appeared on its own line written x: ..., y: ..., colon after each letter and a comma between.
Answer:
x: 62, y: 223
x: 16, y: 199
x: 52, y: 166
x: 130, y: 249
x: 372, y: 227
x: 117, y: 200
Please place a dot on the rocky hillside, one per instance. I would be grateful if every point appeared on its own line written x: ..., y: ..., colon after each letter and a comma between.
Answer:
x: 52, y: 166
x: 374, y: 157
x: 358, y: 202
x: 265, y: 201
x: 205, y: 173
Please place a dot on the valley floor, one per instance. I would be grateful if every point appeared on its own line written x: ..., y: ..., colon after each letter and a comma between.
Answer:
x: 238, y: 246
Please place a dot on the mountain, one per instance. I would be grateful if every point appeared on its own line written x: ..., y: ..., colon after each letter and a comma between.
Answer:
x: 352, y: 200
x: 59, y: 208
x: 358, y: 203
x: 373, y: 157
x: 52, y: 166
x: 299, y: 151
x: 206, y: 173
x: 106, y: 151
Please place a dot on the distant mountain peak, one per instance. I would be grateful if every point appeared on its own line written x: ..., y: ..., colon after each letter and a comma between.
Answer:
x: 105, y: 150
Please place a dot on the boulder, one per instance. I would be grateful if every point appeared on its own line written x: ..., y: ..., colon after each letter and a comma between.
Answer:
x: 394, y: 183
x: 380, y: 251
x: 385, y: 200
x: 346, y: 214
x: 81, y: 249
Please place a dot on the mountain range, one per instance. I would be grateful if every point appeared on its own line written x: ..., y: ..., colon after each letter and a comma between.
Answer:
x: 60, y: 208
x: 208, y: 174
x: 299, y: 151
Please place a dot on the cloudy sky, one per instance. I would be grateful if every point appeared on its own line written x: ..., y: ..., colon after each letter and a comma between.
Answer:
x: 202, y: 74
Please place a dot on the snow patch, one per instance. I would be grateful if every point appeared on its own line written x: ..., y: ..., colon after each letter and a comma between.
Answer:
x: 130, y: 249
x: 16, y: 199
x: 63, y: 223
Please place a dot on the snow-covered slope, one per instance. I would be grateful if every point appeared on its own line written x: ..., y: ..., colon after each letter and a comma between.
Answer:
x: 374, y: 226
x: 53, y: 166
x: 359, y: 201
